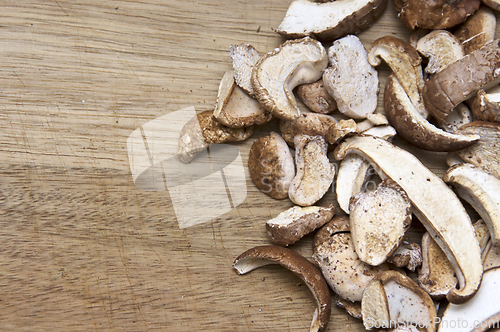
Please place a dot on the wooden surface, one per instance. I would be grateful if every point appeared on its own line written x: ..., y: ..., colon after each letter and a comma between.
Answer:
x: 81, y: 248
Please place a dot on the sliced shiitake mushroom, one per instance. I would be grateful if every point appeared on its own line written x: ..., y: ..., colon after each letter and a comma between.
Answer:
x: 271, y: 165
x: 235, y: 108
x: 244, y: 58
x: 408, y: 255
x: 350, y: 79
x: 277, y: 73
x: 300, y: 266
x: 296, y: 222
x: 486, y: 104
x: 316, y: 98
x: 329, y: 20
x: 379, y: 220
x: 441, y: 48
x: 478, y: 30
x: 462, y: 79
x: 449, y: 223
x: 312, y: 124
x: 204, y: 130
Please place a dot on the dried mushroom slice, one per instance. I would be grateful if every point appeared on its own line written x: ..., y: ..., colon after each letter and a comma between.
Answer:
x: 341, y: 129
x: 350, y: 79
x: 202, y: 131
x: 461, y: 115
x: 495, y: 4
x: 478, y: 30
x: 301, y: 267
x: 437, y: 275
x: 296, y: 222
x: 379, y: 220
x: 352, y: 176
x: 486, y: 152
x: 413, y: 127
x: 244, y: 57
x: 441, y: 48
x: 334, y: 254
x: 316, y: 98
x: 314, y: 172
x: 481, y: 313
x: 481, y: 190
x: 438, y: 14
x: 486, y: 104
x: 271, y: 165
x: 394, y: 299
x: 277, y: 73
x: 462, y: 79
x: 235, y: 108
x: 405, y: 63
x: 329, y: 20
x: 449, y: 223
x: 407, y: 255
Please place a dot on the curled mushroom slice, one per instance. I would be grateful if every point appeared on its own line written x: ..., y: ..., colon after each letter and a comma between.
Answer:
x: 316, y: 98
x: 386, y: 208
x: 372, y: 120
x: 449, y: 223
x: 293, y: 224
x: 462, y: 79
x: 350, y: 79
x: 481, y: 313
x: 314, y: 172
x: 486, y: 104
x: 405, y: 64
x: 334, y: 254
x: 413, y: 127
x: 271, y: 165
x: 300, y: 266
x: 481, y: 190
x: 461, y: 115
x: 204, y: 130
x: 394, y: 299
x: 407, y: 255
x: 438, y: 14
x: 486, y: 152
x: 312, y: 124
x: 235, y: 108
x: 478, y: 30
x: 277, y: 73
x: 329, y: 20
x: 437, y: 275
x: 441, y: 48
x: 244, y: 57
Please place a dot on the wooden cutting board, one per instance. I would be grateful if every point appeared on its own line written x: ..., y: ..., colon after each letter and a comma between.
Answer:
x: 81, y: 247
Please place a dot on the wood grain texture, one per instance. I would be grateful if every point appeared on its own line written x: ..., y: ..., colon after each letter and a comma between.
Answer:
x: 81, y: 248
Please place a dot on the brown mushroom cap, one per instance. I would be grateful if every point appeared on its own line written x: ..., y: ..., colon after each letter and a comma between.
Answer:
x: 437, y: 14
x: 316, y: 98
x: 271, y: 165
x: 300, y: 266
x: 478, y: 30
x: 486, y: 104
x: 312, y: 124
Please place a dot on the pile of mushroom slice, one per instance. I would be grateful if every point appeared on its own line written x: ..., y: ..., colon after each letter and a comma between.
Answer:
x: 442, y: 95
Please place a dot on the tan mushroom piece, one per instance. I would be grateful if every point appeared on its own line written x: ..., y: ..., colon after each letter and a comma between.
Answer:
x: 334, y: 254
x: 296, y: 222
x: 461, y: 115
x: 478, y: 30
x: 235, y: 108
x: 316, y: 98
x: 437, y: 14
x: 202, y: 131
x: 271, y: 165
x: 314, y: 172
x: 341, y: 129
x: 462, y: 79
x: 405, y: 63
x: 481, y: 190
x: 300, y: 266
x: 394, y: 299
x: 449, y: 223
x: 329, y: 20
x: 408, y: 255
x: 312, y: 124
x: 486, y: 152
x: 277, y: 73
x: 350, y: 79
x: 437, y: 275
x: 413, y: 127
x: 486, y: 104
x: 481, y: 313
x: 372, y: 120
x: 244, y: 58
x: 441, y: 48
x: 379, y: 220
